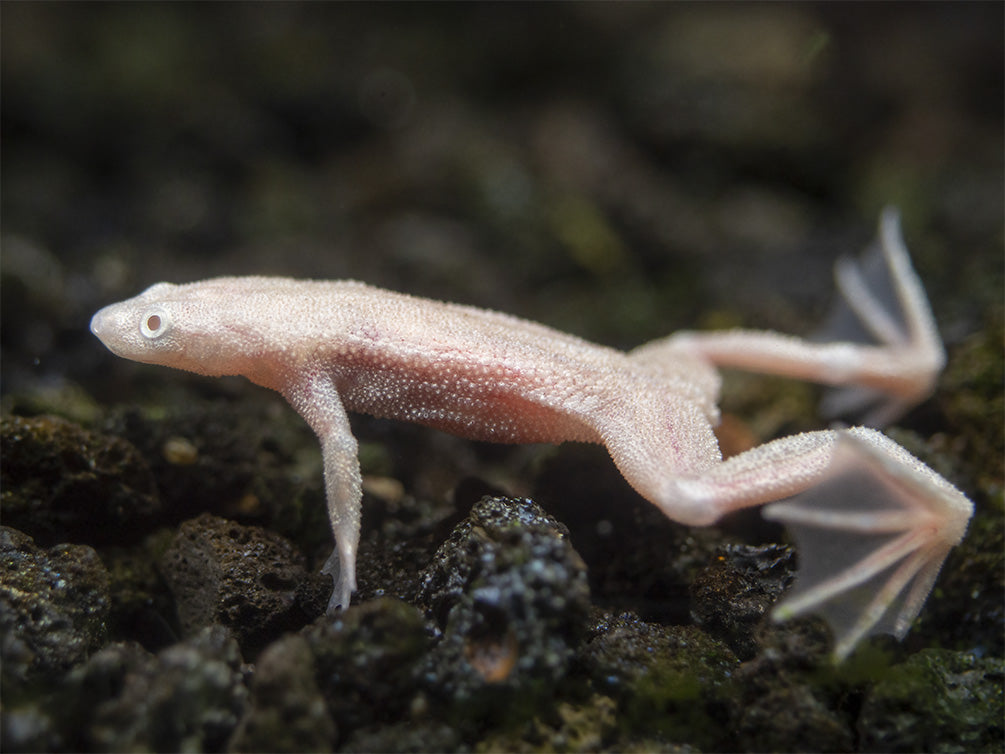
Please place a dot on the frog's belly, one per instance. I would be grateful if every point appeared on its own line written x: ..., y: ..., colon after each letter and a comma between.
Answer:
x: 499, y: 407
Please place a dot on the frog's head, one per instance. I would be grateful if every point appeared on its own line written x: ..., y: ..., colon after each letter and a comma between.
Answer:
x: 191, y: 327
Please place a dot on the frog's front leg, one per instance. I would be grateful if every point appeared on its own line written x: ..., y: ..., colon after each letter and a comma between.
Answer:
x: 316, y: 399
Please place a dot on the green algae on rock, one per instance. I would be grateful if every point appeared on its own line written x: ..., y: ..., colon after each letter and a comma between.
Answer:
x: 66, y: 483
x: 936, y: 700
x: 368, y: 662
x: 670, y: 682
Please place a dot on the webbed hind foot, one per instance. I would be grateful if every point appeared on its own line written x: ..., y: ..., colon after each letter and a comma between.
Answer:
x: 872, y: 535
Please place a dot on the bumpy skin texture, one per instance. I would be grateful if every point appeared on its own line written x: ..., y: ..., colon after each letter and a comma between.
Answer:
x: 333, y: 347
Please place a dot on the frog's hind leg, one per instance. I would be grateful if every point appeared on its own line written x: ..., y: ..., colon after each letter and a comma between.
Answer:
x: 882, y: 302
x: 872, y: 523
x: 890, y: 353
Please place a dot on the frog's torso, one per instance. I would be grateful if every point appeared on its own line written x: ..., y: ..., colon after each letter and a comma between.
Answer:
x: 474, y: 372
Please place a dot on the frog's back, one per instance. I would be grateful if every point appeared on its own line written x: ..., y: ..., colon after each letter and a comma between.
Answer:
x: 449, y: 365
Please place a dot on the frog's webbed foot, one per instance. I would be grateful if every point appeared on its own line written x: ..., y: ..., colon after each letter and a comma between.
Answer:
x: 872, y: 536
x: 883, y: 305
x: 887, y: 358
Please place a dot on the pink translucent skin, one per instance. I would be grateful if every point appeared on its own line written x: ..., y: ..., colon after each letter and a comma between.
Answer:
x: 333, y: 347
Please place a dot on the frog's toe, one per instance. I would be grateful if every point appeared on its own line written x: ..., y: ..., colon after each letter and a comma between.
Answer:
x: 882, y: 305
x: 345, y: 582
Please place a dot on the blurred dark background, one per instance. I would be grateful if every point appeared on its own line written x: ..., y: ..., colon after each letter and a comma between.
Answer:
x: 616, y: 170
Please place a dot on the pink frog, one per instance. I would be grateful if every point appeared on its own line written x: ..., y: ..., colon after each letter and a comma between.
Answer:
x: 873, y: 524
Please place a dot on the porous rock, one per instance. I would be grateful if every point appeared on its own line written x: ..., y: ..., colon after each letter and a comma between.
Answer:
x: 54, y: 606
x: 249, y: 579
x: 65, y: 483
x: 512, y: 597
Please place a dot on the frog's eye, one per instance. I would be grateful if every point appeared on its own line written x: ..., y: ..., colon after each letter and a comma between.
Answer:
x: 156, y: 322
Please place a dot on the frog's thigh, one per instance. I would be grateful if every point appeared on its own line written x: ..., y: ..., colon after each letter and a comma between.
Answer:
x: 671, y: 458
x: 654, y: 440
